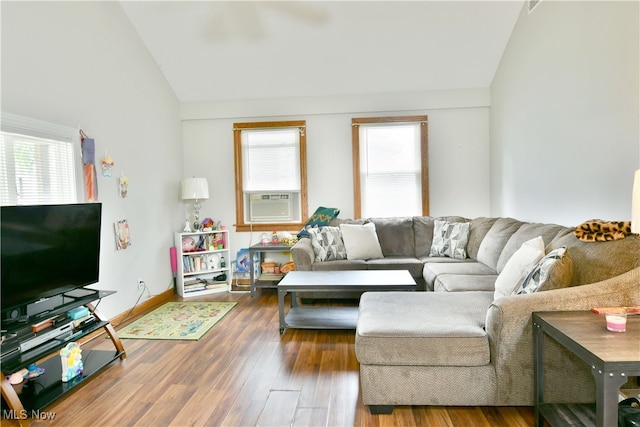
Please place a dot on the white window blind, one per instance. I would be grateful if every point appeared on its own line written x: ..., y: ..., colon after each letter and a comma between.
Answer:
x: 38, y: 162
x: 271, y: 160
x: 390, y: 169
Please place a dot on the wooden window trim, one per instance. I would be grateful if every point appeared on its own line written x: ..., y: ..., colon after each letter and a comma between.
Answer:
x: 424, y: 144
x: 237, y: 152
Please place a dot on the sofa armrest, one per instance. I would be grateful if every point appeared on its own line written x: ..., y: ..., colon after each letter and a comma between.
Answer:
x: 510, y: 331
x: 303, y: 255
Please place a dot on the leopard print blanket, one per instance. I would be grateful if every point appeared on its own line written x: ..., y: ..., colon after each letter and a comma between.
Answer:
x: 597, y: 230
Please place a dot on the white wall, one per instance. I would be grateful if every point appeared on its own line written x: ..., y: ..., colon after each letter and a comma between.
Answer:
x: 565, y: 113
x: 458, y: 149
x: 82, y: 64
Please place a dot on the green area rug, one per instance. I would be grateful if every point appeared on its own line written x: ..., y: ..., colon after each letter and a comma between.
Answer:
x: 177, y: 321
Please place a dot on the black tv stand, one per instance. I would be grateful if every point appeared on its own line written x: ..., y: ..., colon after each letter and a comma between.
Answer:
x: 39, y: 392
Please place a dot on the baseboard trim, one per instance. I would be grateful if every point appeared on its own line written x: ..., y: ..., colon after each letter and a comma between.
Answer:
x: 129, y: 315
x: 145, y: 307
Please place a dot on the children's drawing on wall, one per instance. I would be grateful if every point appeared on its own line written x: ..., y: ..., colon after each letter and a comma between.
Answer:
x: 107, y: 166
x: 124, y: 186
x: 123, y: 237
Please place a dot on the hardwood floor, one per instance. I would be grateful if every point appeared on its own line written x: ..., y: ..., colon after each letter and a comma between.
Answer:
x: 244, y: 373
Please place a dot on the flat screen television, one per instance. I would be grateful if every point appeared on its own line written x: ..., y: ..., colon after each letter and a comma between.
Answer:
x: 47, y: 250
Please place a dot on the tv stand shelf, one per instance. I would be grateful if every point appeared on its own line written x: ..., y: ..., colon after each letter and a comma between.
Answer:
x: 69, y: 302
x: 31, y: 356
x: 37, y: 393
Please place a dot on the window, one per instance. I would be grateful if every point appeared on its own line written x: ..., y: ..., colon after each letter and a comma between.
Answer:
x: 271, y: 175
x: 39, y: 164
x: 390, y: 166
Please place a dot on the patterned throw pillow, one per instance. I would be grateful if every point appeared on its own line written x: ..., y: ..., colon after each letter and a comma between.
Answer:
x: 553, y: 271
x: 322, y: 216
x: 450, y: 239
x: 327, y: 243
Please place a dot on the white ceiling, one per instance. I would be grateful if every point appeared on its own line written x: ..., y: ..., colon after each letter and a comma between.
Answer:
x: 231, y: 50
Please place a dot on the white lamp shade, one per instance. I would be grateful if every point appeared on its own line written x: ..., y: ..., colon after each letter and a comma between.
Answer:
x: 635, y: 204
x: 195, y: 189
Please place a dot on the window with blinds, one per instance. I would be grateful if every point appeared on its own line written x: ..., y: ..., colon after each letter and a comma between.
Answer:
x: 39, y: 165
x: 270, y: 174
x: 266, y: 151
x: 390, y: 176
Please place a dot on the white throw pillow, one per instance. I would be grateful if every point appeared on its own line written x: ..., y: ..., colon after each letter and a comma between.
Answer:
x: 361, y: 241
x: 518, y: 266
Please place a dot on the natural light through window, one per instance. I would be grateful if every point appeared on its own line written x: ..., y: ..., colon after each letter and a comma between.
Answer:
x: 38, y: 163
x: 391, y: 172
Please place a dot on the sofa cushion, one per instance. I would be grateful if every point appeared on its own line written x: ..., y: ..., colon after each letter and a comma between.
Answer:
x: 434, y: 267
x: 477, y: 232
x: 395, y: 235
x: 450, y: 239
x: 423, y: 235
x: 553, y: 271
x: 361, y: 241
x: 527, y: 232
x: 495, y: 239
x: 518, y: 266
x: 343, y: 264
x: 596, y: 261
x: 327, y: 243
x: 465, y: 282
x: 423, y: 328
x: 414, y: 265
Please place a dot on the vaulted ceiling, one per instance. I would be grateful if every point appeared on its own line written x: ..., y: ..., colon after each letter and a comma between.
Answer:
x: 233, y: 50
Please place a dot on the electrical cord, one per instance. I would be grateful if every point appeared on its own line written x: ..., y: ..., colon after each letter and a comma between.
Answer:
x: 132, y: 308
x: 96, y: 306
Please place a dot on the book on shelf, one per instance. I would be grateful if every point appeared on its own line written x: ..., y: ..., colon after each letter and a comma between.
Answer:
x: 198, y: 284
x: 193, y: 264
x: 217, y: 285
x: 194, y: 287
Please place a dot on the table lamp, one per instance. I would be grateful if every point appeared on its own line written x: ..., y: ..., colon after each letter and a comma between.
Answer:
x: 195, y: 189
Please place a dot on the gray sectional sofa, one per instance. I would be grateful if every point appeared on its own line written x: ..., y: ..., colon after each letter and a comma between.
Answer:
x: 461, y: 342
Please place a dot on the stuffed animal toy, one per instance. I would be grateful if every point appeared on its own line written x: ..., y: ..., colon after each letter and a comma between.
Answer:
x: 188, y: 244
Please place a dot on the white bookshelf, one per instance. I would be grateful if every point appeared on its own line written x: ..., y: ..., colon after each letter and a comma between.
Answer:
x: 201, y: 262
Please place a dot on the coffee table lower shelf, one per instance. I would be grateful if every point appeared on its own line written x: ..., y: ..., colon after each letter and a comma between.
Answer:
x: 569, y: 414
x: 321, y: 318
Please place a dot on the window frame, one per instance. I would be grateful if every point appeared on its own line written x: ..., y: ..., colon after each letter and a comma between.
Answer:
x: 30, y: 128
x: 240, y: 224
x: 424, y: 157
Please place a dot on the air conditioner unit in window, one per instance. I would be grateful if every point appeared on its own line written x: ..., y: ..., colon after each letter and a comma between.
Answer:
x: 270, y: 207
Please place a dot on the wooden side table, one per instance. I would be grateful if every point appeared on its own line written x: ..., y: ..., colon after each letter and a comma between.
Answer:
x: 612, y: 356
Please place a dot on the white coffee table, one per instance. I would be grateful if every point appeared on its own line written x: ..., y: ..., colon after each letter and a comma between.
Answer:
x: 335, y: 282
